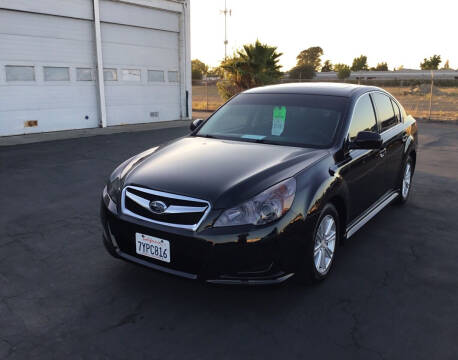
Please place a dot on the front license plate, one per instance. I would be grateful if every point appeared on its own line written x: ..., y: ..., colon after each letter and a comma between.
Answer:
x: 152, y: 247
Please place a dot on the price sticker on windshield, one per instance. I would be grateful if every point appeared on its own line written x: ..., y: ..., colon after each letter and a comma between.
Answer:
x: 279, y: 117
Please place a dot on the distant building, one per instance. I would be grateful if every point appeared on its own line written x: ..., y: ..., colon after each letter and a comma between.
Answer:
x: 405, y: 74
x: 51, y: 50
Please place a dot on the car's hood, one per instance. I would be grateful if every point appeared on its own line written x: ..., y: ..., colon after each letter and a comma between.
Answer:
x: 224, y: 172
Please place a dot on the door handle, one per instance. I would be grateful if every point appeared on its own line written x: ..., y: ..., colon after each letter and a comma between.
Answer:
x: 405, y: 137
x: 382, y: 153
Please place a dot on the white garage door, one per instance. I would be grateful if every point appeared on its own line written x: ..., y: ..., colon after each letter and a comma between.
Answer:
x: 141, y: 55
x: 39, y: 58
x: 143, y: 64
x: 48, y: 68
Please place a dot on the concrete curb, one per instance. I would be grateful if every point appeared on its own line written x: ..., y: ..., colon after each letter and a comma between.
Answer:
x: 72, y: 134
x: 425, y: 120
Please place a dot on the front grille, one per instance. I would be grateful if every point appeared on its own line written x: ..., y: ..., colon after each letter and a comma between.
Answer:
x: 181, y: 211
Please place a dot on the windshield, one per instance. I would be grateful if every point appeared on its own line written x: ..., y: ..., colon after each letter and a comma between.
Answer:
x: 283, y: 119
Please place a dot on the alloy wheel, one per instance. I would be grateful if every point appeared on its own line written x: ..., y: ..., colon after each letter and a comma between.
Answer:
x: 325, y: 244
x: 406, y: 180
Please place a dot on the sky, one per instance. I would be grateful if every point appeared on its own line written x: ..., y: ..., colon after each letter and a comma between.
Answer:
x: 400, y: 32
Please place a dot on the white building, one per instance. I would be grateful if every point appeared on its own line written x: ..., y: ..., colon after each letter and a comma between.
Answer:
x: 53, y: 53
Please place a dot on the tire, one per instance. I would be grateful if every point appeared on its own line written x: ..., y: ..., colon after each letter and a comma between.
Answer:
x: 405, y: 181
x: 316, y: 268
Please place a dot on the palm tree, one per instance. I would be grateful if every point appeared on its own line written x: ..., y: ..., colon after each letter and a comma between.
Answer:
x: 254, y: 65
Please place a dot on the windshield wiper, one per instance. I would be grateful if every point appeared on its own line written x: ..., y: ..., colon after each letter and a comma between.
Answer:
x: 208, y: 136
x: 267, y: 141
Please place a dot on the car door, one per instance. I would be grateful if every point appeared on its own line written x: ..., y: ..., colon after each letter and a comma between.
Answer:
x: 393, y: 135
x: 362, y: 169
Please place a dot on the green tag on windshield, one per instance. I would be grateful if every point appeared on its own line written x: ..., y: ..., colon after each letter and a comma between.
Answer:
x: 278, y: 123
x: 279, y: 117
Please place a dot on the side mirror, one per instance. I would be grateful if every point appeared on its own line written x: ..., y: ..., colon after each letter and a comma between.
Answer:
x: 195, y: 124
x: 366, y: 140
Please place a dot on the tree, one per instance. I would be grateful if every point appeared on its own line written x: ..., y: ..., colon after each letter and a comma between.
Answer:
x: 327, y: 66
x: 432, y: 63
x: 310, y: 56
x: 383, y: 66
x: 198, y: 69
x: 343, y: 71
x: 305, y: 71
x: 446, y: 65
x: 359, y: 63
x: 253, y: 65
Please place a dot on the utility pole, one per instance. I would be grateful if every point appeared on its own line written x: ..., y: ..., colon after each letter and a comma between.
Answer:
x: 431, y: 94
x: 226, y: 11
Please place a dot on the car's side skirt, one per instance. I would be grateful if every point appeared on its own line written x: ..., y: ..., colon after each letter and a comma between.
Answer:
x: 364, y: 218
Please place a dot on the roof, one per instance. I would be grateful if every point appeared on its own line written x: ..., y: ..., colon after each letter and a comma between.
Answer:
x: 315, y: 88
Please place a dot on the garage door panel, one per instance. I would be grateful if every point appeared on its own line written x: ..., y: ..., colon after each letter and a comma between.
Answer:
x: 74, y: 8
x: 141, y: 47
x: 115, y: 54
x: 135, y: 114
x: 36, y: 97
x: 12, y: 123
x: 120, y: 34
x: 144, y: 95
x: 122, y: 108
x: 118, y: 13
x: 15, y: 48
x: 45, y: 38
x: 45, y: 26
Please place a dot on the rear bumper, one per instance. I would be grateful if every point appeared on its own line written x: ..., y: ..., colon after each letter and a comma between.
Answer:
x: 252, y: 256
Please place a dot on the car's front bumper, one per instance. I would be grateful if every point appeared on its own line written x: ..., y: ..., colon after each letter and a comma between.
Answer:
x: 232, y: 255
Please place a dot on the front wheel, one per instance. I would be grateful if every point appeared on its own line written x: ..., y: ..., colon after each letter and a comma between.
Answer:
x: 321, y: 250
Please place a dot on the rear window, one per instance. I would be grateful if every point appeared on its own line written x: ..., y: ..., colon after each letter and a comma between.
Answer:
x: 283, y: 119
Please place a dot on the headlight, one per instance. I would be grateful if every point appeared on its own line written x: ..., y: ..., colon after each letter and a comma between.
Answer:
x: 114, y: 189
x: 264, y: 208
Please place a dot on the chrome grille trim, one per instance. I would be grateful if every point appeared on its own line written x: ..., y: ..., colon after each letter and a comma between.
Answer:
x: 172, y: 209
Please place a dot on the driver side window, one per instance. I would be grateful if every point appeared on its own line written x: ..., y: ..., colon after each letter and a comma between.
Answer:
x: 363, y: 117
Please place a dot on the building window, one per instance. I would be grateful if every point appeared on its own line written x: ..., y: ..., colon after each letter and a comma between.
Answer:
x: 131, y: 75
x: 173, y: 76
x: 84, y: 74
x: 20, y: 73
x: 156, y: 75
x: 56, y: 73
x: 110, y: 75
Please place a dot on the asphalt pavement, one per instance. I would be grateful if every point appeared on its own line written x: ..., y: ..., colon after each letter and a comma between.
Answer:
x: 393, y: 294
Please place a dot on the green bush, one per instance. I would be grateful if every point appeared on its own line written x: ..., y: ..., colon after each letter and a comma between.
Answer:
x: 306, y: 71
x: 227, y: 89
x: 343, y: 71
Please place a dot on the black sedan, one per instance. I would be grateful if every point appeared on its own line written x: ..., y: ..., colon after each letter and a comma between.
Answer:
x: 267, y: 187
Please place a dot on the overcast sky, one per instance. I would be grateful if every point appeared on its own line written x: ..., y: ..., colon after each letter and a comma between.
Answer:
x: 400, y: 32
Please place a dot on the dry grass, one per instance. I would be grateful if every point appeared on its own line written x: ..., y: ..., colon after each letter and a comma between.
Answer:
x: 444, y: 105
x: 205, y: 97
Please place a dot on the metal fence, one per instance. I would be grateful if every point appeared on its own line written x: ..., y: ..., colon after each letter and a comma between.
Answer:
x: 427, y: 99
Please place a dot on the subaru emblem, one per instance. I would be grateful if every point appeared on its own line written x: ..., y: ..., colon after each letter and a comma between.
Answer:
x: 157, y: 207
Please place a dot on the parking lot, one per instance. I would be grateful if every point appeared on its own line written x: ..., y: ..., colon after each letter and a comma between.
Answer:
x: 393, y: 294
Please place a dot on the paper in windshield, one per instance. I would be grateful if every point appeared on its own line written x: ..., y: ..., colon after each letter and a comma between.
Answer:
x: 279, y: 118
